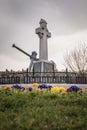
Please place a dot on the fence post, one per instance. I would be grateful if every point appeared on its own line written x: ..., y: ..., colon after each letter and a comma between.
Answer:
x: 67, y: 76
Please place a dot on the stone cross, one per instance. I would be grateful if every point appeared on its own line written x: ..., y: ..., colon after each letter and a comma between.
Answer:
x: 43, y: 34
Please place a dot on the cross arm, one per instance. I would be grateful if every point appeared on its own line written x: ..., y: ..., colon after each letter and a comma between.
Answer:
x: 39, y: 32
x: 48, y: 34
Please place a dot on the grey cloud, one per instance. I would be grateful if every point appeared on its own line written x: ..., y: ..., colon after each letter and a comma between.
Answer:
x: 74, y: 12
x: 63, y: 17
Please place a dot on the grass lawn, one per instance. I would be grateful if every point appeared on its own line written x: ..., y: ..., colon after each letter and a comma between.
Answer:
x: 43, y: 111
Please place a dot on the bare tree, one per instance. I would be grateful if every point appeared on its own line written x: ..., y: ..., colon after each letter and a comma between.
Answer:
x: 76, y: 60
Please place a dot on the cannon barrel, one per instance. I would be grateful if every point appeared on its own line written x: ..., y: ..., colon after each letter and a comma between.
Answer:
x: 21, y: 50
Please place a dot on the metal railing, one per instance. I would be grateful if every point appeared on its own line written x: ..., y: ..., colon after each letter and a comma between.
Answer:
x: 28, y: 78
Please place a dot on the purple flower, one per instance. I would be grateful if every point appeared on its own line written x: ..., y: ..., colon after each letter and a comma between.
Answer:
x: 74, y: 88
x: 30, y: 88
x: 44, y: 86
x: 17, y: 86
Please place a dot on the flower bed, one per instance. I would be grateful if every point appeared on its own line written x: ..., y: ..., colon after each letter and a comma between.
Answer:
x: 42, y: 107
x: 35, y: 87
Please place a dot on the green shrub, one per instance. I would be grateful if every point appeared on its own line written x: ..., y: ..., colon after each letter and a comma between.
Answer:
x: 43, y: 111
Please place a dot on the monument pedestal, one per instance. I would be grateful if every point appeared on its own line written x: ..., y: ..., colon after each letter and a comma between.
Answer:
x: 43, y: 67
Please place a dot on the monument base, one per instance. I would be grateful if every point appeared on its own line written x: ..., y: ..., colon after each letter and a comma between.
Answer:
x: 44, y: 67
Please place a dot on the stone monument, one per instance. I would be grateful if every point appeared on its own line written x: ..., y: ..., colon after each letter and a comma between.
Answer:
x: 43, y: 34
x: 43, y: 65
x: 40, y: 64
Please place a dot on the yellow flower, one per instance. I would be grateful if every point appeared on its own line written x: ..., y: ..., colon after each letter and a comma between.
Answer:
x: 0, y: 88
x: 62, y: 89
x: 15, y: 91
x: 85, y: 89
x: 58, y: 90
x: 26, y: 87
x: 35, y: 84
x: 55, y: 89
x: 7, y: 87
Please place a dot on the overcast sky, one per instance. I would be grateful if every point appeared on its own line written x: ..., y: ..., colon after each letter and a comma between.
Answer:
x: 67, y: 22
